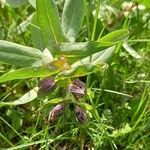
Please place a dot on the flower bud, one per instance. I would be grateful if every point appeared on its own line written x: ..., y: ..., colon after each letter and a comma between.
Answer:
x: 46, y: 85
x: 56, y: 112
x: 77, y: 88
x: 80, y: 115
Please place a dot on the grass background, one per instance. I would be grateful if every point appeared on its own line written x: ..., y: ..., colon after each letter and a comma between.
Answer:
x: 119, y: 95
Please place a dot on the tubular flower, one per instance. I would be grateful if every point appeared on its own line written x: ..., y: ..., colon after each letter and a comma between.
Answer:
x: 77, y: 88
x: 80, y: 115
x: 46, y: 85
x: 56, y: 112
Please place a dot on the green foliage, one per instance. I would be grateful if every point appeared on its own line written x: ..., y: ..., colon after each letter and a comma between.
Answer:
x: 103, y: 43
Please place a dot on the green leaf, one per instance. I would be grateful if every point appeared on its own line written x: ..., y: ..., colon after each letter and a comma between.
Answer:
x: 48, y: 17
x: 72, y: 18
x: 88, y: 65
x: 83, y: 49
x: 26, y: 98
x: 16, y: 3
x: 114, y: 37
x: 28, y: 72
x: 79, y: 48
x: 19, y: 55
x: 37, y: 34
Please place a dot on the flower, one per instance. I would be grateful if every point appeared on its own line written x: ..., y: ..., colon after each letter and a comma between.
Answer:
x: 56, y: 112
x: 46, y: 85
x: 80, y: 115
x: 77, y: 88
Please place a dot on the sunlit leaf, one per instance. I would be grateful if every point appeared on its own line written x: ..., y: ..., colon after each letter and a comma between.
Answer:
x: 29, y: 72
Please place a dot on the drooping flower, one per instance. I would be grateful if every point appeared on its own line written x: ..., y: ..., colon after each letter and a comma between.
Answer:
x: 77, y: 88
x: 56, y: 112
x: 46, y: 85
x: 80, y: 115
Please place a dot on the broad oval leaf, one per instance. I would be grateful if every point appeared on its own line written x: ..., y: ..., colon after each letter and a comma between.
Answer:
x: 72, y: 17
x: 79, y: 48
x: 19, y: 55
x: 48, y: 18
x: 29, y: 72
x: 83, y: 49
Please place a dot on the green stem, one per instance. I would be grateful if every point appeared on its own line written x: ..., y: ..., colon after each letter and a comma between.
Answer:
x: 95, y: 20
x: 87, y: 18
x: 11, y: 128
x: 6, y: 140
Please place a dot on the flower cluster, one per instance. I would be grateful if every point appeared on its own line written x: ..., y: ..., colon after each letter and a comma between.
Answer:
x: 76, y: 88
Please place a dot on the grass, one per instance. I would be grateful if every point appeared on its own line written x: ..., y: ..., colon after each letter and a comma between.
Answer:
x: 120, y: 95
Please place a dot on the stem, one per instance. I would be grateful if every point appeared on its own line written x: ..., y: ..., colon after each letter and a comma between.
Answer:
x: 95, y: 20
x: 6, y: 140
x: 87, y: 18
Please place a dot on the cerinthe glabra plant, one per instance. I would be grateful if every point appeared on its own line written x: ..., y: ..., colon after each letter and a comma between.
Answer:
x: 57, y: 56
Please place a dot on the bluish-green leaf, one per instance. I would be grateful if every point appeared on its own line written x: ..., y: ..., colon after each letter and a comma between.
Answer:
x: 83, y: 49
x: 49, y: 21
x: 28, y: 72
x: 19, y: 55
x: 72, y: 17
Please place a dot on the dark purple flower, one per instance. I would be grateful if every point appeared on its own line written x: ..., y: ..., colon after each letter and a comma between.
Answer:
x: 56, y: 112
x: 46, y: 85
x: 77, y: 88
x: 80, y: 115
